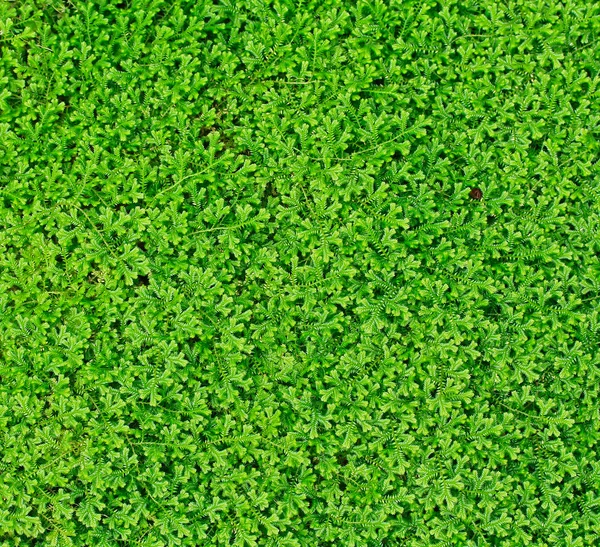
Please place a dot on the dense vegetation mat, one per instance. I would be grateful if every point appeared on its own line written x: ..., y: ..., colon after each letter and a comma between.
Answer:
x: 299, y: 273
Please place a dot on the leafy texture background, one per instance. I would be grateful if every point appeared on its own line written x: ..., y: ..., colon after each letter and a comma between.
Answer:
x: 249, y: 295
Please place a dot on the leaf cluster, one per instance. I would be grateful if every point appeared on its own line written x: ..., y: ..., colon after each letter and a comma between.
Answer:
x: 247, y: 297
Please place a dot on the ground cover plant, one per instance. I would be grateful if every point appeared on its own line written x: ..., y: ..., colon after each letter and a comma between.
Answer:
x: 299, y: 273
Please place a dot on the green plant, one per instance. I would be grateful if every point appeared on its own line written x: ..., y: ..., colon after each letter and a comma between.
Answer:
x: 249, y: 296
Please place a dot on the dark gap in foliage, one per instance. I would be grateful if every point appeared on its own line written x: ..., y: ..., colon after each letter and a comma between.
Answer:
x: 73, y: 157
x: 142, y: 280
x: 269, y: 192
x: 206, y: 130
x: 398, y: 156
x: 85, y: 207
x: 378, y: 292
x: 228, y: 142
x: 66, y: 100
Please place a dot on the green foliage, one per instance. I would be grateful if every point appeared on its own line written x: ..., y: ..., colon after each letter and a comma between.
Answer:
x: 247, y: 297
